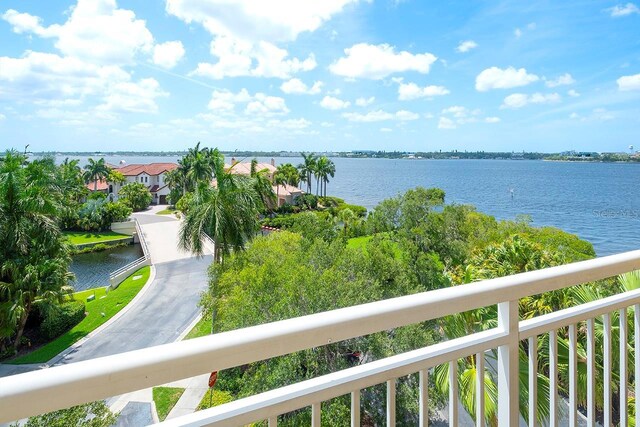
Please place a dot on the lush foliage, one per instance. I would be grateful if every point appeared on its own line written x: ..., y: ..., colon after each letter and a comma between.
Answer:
x: 96, y: 414
x: 58, y: 319
x: 136, y: 196
x: 320, y: 168
x: 98, y: 312
x: 227, y: 212
x: 35, y: 255
x: 409, y: 243
x: 98, y: 214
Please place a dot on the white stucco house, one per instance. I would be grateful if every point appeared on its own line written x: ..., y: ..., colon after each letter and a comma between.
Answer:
x: 152, y: 175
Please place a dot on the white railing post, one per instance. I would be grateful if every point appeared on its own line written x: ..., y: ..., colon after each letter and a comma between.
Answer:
x: 508, y: 365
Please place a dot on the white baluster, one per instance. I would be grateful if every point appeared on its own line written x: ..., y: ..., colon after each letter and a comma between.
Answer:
x: 606, y: 374
x: 391, y: 403
x: 533, y: 381
x: 624, y: 415
x: 480, y: 389
x: 573, y: 381
x: 424, y: 398
x: 355, y: 408
x: 553, y: 379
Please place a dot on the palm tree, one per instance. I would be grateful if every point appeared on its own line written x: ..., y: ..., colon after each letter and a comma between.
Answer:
x: 227, y: 212
x: 325, y: 168
x: 307, y: 168
x: 279, y: 178
x: 262, y: 185
x: 96, y: 171
x: 35, y: 256
x: 289, y: 173
x: 200, y: 167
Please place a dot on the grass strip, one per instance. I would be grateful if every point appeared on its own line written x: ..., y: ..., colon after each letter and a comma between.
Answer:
x: 98, y: 312
x: 84, y: 237
x: 165, y: 399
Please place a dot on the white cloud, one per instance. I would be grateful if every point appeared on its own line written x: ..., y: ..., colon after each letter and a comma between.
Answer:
x: 519, y: 100
x: 565, y: 79
x: 574, y: 115
x: 492, y: 119
x: 409, y: 91
x: 226, y: 101
x: 380, y: 115
x: 289, y: 123
x: 386, y: 130
x: 167, y: 55
x: 446, y: 123
x: 2, y: 117
x: 245, y: 33
x: 326, y: 124
x: 133, y: 97
x: 466, y: 46
x: 517, y: 32
x: 378, y: 61
x: 237, y: 57
x: 363, y: 102
x: 497, y: 78
x: 298, y: 87
x: 573, y: 93
x: 257, y: 20
x: 623, y: 10
x: 629, y: 82
x: 266, y: 105
x: 331, y: 103
x: 97, y: 31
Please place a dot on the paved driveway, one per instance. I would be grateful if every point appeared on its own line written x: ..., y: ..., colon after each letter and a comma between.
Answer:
x: 159, y: 317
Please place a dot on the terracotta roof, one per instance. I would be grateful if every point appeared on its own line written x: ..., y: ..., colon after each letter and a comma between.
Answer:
x: 102, y: 185
x: 244, y: 168
x: 151, y: 169
x: 286, y: 190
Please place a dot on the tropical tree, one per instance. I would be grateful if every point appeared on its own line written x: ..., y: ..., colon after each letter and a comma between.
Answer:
x: 262, y: 185
x: 325, y: 168
x: 199, y: 165
x: 227, y: 212
x: 96, y: 170
x: 289, y: 173
x: 35, y: 256
x: 136, y: 195
x: 307, y: 168
x: 279, y: 179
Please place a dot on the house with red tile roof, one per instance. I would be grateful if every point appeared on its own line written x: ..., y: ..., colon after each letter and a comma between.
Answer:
x: 286, y: 193
x: 152, y: 175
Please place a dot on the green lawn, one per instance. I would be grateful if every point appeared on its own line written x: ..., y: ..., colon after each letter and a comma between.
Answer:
x: 167, y: 211
x: 98, y: 312
x: 84, y: 237
x: 202, y: 328
x: 165, y: 399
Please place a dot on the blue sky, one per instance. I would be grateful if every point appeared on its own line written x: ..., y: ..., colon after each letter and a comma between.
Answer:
x: 332, y: 75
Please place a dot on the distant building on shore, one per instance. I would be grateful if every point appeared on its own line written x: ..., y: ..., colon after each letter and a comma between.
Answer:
x: 151, y: 175
x: 287, y: 194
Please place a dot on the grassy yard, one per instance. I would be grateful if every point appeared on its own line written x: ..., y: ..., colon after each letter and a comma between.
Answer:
x: 165, y: 399
x: 99, y: 311
x: 83, y: 237
x: 202, y: 328
x: 167, y: 211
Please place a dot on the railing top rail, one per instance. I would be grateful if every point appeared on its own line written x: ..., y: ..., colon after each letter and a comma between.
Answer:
x: 143, y: 241
x: 41, y: 391
x: 128, y: 266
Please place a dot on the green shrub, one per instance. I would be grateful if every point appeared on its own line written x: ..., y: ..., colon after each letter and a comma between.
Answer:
x: 58, y: 319
x: 307, y: 202
x: 360, y: 211
x: 330, y: 201
x: 136, y: 195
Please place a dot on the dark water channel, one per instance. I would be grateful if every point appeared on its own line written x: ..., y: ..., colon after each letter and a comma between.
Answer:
x: 92, y: 269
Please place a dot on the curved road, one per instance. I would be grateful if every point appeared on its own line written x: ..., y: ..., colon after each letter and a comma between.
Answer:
x: 166, y: 309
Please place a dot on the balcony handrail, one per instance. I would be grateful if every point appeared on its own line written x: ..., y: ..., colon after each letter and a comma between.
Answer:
x: 143, y: 241
x: 63, y: 386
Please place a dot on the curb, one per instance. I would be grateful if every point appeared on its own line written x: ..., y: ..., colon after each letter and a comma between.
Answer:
x: 189, y: 327
x: 145, y: 288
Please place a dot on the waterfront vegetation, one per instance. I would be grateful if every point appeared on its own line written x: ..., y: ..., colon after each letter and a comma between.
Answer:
x: 411, y: 243
x: 83, y: 238
x: 97, y: 312
x: 165, y: 399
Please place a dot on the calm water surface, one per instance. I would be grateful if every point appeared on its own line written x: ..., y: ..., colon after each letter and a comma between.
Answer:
x: 92, y: 269
x: 600, y: 202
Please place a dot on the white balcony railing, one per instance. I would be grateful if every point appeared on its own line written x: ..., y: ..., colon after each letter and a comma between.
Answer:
x: 46, y: 390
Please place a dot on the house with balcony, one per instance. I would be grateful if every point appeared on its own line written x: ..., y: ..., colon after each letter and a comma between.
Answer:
x: 152, y: 175
x: 286, y: 194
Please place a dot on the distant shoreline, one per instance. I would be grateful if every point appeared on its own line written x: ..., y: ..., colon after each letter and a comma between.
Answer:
x: 396, y: 155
